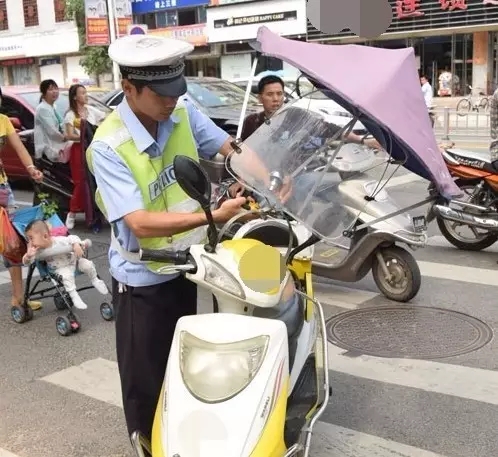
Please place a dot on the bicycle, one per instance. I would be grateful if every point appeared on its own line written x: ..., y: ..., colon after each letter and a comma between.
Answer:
x: 472, y: 103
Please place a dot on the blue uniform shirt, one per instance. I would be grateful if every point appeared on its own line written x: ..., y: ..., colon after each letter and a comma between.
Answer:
x: 122, y: 195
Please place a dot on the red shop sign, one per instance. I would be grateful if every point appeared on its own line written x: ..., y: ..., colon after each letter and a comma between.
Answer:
x: 411, y: 8
x: 12, y: 62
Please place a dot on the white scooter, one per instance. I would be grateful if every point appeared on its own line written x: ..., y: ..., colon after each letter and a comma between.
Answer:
x: 251, y: 380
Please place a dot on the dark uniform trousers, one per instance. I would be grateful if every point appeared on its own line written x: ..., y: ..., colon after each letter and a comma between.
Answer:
x: 145, y: 324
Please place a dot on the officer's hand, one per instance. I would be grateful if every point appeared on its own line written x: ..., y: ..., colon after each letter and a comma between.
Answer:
x: 229, y: 208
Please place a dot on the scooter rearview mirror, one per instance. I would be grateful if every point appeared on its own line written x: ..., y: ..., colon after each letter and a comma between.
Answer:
x: 194, y: 181
x: 192, y: 178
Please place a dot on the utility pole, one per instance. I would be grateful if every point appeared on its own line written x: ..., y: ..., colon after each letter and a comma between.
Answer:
x: 111, y: 11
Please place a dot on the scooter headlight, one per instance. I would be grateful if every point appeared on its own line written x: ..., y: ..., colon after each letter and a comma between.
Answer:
x: 219, y: 277
x: 217, y: 372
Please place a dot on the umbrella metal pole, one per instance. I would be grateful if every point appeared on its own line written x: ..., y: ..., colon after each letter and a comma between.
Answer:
x: 246, y: 99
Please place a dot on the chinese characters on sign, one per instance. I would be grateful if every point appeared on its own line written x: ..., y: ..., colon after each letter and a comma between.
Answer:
x: 97, y: 24
x: 408, y: 8
x: 453, y: 4
x: 412, y: 8
x: 165, y: 4
x: 123, y: 16
x: 195, y: 34
x: 152, y: 6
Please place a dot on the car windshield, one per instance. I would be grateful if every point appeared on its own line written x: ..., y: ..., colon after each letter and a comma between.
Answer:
x: 62, y: 103
x: 215, y: 94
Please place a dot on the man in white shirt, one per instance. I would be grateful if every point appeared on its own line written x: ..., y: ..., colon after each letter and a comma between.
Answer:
x: 428, y: 94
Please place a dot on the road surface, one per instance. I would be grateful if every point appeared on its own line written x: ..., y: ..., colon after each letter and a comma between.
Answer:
x: 60, y: 397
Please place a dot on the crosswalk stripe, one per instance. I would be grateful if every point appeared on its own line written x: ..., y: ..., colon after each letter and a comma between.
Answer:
x: 99, y: 379
x: 458, y: 273
x: 332, y: 440
x: 440, y: 241
x: 5, y: 453
x: 455, y: 380
x: 340, y: 296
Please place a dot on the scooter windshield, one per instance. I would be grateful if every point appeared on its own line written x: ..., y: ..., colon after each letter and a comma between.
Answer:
x: 328, y: 184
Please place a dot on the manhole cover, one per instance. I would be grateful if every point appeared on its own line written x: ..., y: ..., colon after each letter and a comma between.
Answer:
x: 409, y: 332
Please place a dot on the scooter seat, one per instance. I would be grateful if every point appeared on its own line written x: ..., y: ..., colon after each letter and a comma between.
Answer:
x: 473, y: 160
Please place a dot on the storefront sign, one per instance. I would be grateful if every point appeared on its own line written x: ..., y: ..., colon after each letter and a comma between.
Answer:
x: 196, y: 34
x: 11, y: 49
x: 50, y: 61
x: 256, y: 19
x: 97, y: 23
x: 15, y: 62
x: 241, y: 21
x: 50, y: 44
x: 412, y: 8
x: 151, y: 6
x: 225, y: 2
x: 123, y: 16
x: 421, y: 15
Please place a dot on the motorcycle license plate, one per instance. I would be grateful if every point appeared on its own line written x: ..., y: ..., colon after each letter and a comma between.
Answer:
x: 419, y: 224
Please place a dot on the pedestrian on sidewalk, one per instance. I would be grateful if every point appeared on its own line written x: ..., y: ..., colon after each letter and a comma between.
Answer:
x: 79, y: 110
x: 48, y: 133
x: 428, y: 94
x: 9, y: 135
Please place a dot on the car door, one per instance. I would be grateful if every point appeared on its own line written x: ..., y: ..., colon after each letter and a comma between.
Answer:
x: 23, y: 121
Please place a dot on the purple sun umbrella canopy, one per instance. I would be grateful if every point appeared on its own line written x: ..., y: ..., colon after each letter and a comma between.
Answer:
x: 382, y: 87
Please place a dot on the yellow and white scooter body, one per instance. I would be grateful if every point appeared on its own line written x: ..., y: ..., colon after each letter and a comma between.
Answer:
x: 226, y: 388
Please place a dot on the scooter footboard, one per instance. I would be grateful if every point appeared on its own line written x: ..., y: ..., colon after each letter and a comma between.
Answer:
x: 225, y: 390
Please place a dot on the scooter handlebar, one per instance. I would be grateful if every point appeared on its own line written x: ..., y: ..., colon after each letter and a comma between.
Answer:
x: 164, y: 255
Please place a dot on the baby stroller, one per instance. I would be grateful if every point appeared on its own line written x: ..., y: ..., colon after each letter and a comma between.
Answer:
x: 65, y: 325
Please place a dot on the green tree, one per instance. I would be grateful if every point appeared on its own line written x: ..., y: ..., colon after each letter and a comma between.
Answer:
x: 95, y: 59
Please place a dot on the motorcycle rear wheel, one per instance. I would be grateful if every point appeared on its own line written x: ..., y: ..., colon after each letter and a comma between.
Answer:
x: 457, y: 240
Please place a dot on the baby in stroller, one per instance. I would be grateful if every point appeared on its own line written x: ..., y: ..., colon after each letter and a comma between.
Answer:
x: 65, y: 265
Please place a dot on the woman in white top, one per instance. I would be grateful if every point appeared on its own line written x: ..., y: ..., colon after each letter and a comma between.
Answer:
x: 78, y: 110
x: 48, y: 134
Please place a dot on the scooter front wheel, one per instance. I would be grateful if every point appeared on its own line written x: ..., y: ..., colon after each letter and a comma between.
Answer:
x: 403, y: 280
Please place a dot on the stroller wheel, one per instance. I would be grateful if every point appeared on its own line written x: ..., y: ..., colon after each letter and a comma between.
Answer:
x: 106, y: 312
x: 19, y: 314
x: 63, y: 326
x: 75, y: 323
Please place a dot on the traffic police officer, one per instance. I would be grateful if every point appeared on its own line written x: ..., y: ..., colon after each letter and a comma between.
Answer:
x: 131, y: 157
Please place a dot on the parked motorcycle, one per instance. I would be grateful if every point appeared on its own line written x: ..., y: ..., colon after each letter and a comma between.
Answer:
x: 394, y: 269
x: 477, y: 177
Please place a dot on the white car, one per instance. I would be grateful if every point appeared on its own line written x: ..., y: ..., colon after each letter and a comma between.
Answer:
x: 311, y: 99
